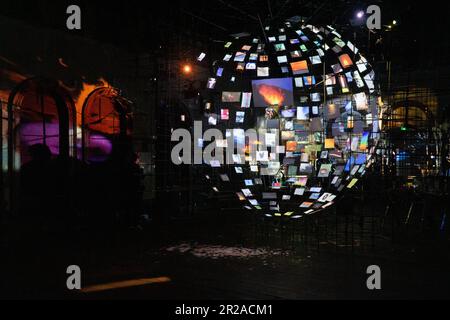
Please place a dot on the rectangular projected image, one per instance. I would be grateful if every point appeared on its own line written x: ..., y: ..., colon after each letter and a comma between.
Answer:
x: 231, y: 96
x: 302, y: 113
x: 300, y: 67
x: 364, y: 141
x: 273, y: 92
x: 288, y: 113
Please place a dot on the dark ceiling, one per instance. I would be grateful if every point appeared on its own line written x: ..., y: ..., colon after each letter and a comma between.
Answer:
x: 139, y: 26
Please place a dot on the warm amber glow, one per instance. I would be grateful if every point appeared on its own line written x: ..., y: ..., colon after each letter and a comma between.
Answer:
x: 124, y: 284
x: 13, y: 76
x: 272, y: 95
x: 415, y: 116
x: 299, y: 67
x: 85, y: 91
x: 329, y: 143
x: 291, y: 146
x: 350, y: 123
x: 346, y: 61
x: 187, y: 68
x: 62, y: 63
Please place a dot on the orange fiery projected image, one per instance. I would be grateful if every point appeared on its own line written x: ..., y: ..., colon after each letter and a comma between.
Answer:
x: 273, y: 92
x: 345, y: 60
x: 291, y: 146
x: 329, y: 143
x: 85, y: 91
x: 300, y: 67
x: 272, y: 95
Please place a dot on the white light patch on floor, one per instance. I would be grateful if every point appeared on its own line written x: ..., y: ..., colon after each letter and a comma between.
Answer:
x: 216, y: 252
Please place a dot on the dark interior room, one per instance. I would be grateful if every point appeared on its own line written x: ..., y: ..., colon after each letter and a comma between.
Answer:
x: 253, y: 150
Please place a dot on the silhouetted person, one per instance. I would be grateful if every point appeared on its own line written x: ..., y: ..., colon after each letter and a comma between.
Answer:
x: 35, y: 193
x: 36, y: 182
x: 125, y: 183
x: 132, y: 189
x: 115, y: 188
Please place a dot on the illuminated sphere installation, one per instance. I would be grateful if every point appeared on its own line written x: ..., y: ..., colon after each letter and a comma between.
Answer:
x: 311, y: 96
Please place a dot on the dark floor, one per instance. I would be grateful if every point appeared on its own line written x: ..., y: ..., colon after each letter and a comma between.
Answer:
x: 221, y: 257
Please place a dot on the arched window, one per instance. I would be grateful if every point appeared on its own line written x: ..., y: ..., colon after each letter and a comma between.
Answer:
x: 39, y: 111
x: 411, y: 114
x: 105, y: 117
x: 412, y: 143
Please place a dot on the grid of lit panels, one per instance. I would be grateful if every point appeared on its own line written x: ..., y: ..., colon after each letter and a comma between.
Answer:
x: 311, y: 96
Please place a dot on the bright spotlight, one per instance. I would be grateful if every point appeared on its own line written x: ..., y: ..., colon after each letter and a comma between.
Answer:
x: 187, y: 69
x: 360, y: 14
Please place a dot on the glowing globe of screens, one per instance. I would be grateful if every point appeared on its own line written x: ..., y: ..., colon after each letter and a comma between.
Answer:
x: 309, y: 96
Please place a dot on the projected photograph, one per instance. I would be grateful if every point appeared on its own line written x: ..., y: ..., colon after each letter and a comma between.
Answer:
x: 288, y: 113
x: 231, y: 97
x: 280, y: 47
x: 300, y: 67
x: 309, y: 81
x: 240, y: 116
x: 273, y: 92
x: 240, y: 56
x: 345, y: 60
x: 211, y: 83
x: 225, y: 114
x: 302, y: 113
x: 246, y: 100
x: 296, y: 54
